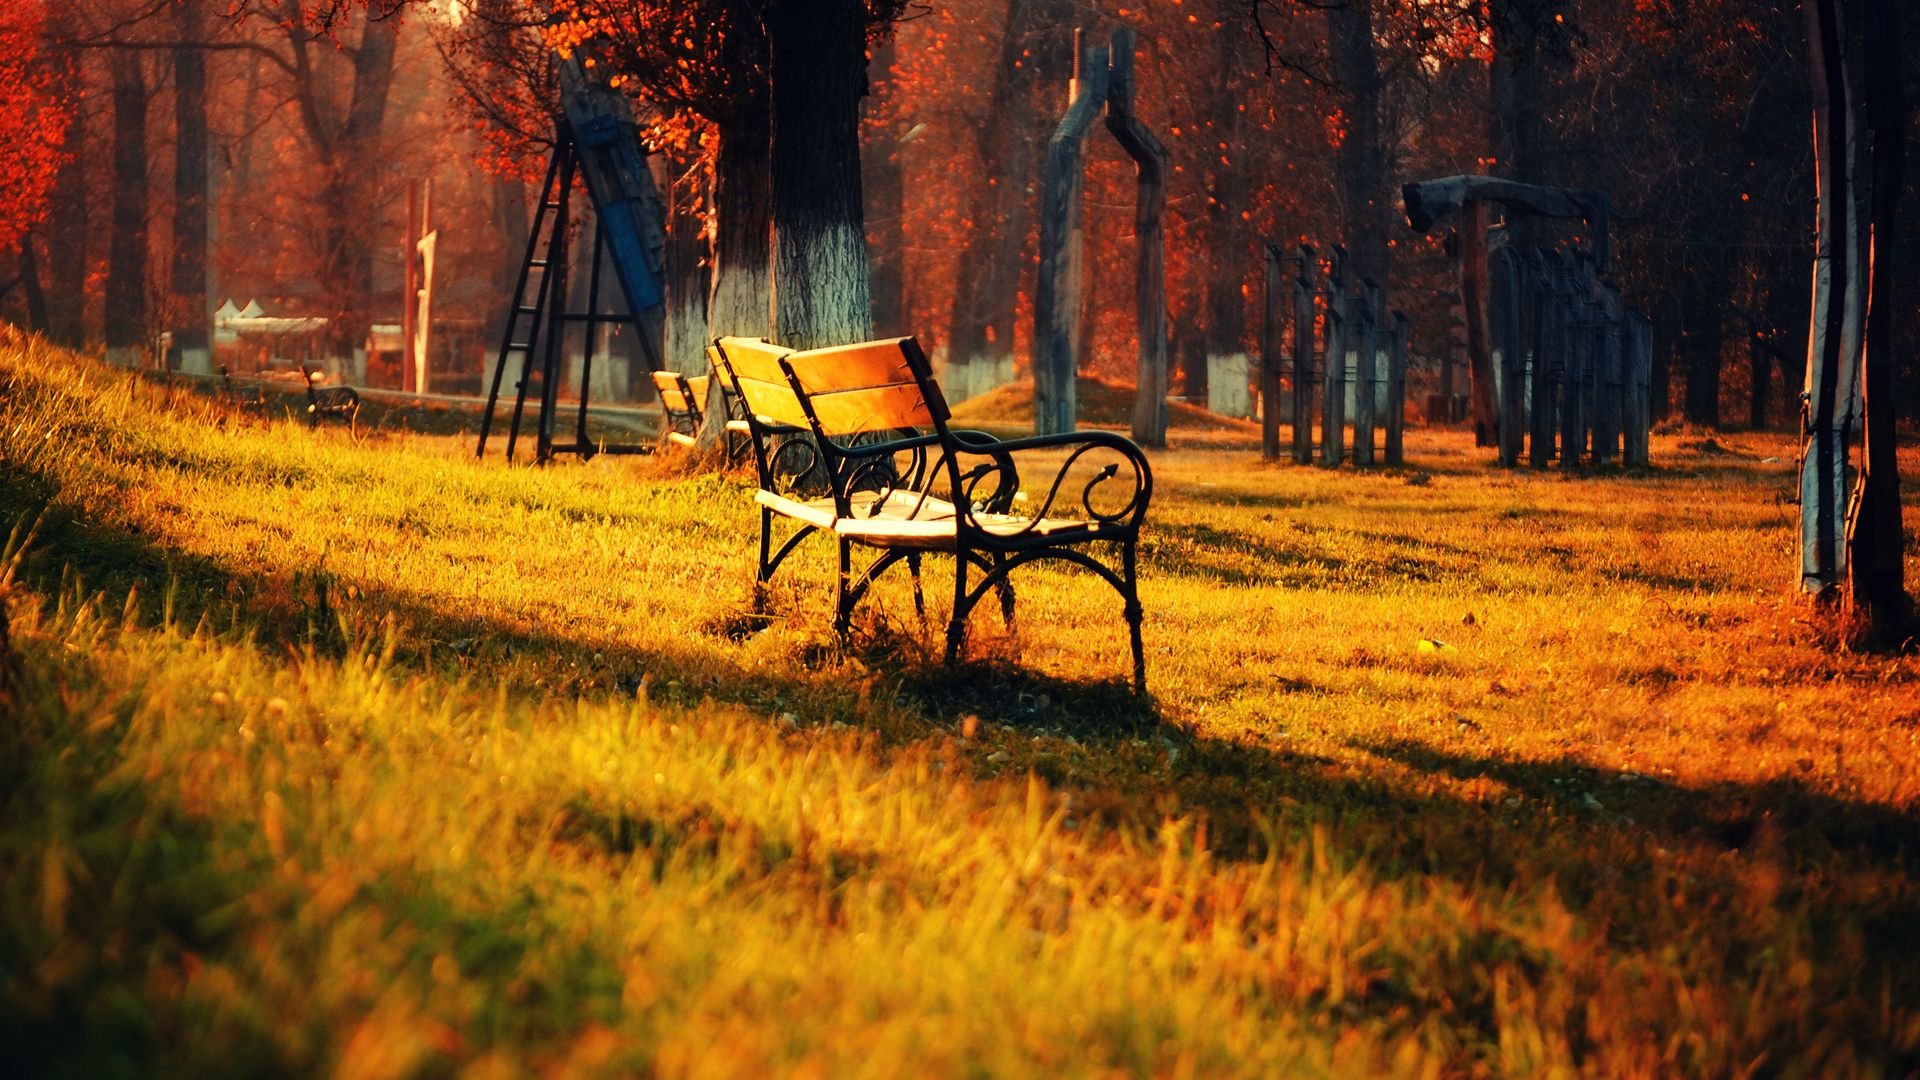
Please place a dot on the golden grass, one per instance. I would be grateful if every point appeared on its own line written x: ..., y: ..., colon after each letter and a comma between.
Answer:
x: 368, y: 758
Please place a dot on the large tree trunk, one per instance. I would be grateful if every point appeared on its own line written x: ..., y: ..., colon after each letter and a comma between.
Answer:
x: 36, y: 296
x: 884, y: 181
x: 192, y: 314
x: 821, y: 284
x: 126, y: 329
x: 1514, y: 84
x: 66, y: 230
x: 1361, y: 162
x: 688, y: 270
x: 366, y: 115
x: 1823, y: 421
x: 742, y: 301
x: 740, y: 207
x: 1703, y: 341
x: 1876, y: 577
x: 980, y: 328
x: 1227, y: 248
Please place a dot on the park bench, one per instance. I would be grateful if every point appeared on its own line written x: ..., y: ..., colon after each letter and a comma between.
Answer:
x: 250, y: 397
x: 680, y: 400
x: 683, y: 400
x: 330, y: 400
x: 854, y: 441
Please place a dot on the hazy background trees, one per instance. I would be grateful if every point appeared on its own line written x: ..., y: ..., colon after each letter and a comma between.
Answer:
x: 1284, y: 121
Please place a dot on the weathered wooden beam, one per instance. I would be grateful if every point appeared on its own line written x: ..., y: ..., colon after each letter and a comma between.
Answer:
x: 1333, y: 385
x: 1395, y: 453
x: 1639, y: 409
x: 1366, y: 368
x: 1474, y: 298
x: 1303, y: 319
x: 1539, y: 298
x: 1056, y: 304
x: 1511, y: 353
x: 1271, y: 347
x: 1150, y: 263
x: 1430, y: 202
x: 1607, y: 381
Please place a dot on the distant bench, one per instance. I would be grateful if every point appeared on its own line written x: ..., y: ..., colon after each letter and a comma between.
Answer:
x: 341, y: 401
x: 683, y: 401
x: 854, y: 441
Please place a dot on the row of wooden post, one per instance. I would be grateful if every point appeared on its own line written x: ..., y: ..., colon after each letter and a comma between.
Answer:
x: 1360, y: 344
x: 1573, y: 369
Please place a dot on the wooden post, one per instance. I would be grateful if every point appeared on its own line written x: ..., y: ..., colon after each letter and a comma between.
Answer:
x: 1366, y: 371
x: 1057, y: 293
x: 1271, y: 358
x: 409, y: 286
x: 1303, y: 317
x: 1397, y: 392
x: 1473, y: 297
x: 1639, y: 408
x: 1565, y: 368
x: 421, y: 301
x: 1606, y: 430
x: 1539, y: 299
x: 1333, y: 406
x: 1512, y: 353
x: 1150, y: 265
x: 1579, y: 385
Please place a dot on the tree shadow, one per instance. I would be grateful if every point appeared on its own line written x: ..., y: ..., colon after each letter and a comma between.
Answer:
x: 1596, y: 835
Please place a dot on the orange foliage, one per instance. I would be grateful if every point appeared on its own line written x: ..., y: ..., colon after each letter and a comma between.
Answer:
x: 33, y: 119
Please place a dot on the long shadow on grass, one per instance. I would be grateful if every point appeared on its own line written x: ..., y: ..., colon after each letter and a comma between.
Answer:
x: 1118, y: 760
x: 1726, y: 815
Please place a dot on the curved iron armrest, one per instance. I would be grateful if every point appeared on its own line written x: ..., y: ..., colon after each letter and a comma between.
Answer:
x: 923, y: 477
x: 773, y: 443
x: 1126, y: 461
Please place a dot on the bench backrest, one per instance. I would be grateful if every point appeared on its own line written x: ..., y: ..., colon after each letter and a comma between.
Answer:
x: 874, y: 386
x: 678, y: 393
x: 754, y: 368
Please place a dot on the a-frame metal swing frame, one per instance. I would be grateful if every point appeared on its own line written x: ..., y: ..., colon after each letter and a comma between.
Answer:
x: 546, y: 315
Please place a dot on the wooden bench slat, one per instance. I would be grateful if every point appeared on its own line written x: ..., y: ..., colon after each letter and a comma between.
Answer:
x: 851, y: 367
x: 876, y: 408
x: 899, y: 506
x: 753, y: 359
x: 773, y: 403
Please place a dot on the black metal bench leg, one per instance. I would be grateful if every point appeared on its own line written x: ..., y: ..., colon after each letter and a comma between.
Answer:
x: 919, y: 598
x: 1005, y: 589
x: 957, y: 625
x: 1134, y: 616
x: 842, y: 593
x: 766, y: 552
